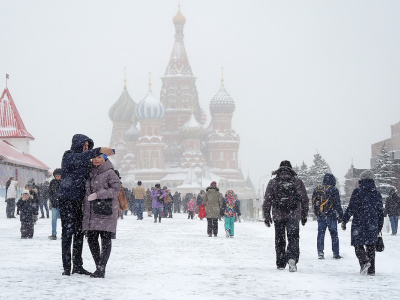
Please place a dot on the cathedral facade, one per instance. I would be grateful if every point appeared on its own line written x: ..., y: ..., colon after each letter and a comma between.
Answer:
x: 169, y: 141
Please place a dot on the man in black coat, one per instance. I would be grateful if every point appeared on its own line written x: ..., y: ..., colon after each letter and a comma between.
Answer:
x: 53, y: 195
x: 75, y: 167
x: 392, y: 207
x: 43, y: 199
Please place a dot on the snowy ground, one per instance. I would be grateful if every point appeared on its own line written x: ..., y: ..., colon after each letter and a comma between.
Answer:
x: 177, y: 260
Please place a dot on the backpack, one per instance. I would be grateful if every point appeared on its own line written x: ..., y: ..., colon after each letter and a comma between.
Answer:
x: 286, y: 196
x: 321, y: 202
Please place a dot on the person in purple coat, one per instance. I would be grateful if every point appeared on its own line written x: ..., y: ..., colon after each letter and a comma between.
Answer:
x: 158, y: 196
x: 100, y: 211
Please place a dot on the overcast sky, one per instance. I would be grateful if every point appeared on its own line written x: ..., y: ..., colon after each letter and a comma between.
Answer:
x: 306, y: 76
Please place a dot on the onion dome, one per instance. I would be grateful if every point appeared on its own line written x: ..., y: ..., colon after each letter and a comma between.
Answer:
x: 192, y: 128
x: 132, y: 134
x: 150, y: 107
x: 179, y: 18
x: 222, y: 102
x: 124, y: 109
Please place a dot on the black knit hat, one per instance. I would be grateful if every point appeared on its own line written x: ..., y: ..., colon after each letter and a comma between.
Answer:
x: 285, y: 163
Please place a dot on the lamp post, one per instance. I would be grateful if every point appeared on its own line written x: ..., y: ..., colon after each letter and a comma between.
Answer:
x: 259, y: 184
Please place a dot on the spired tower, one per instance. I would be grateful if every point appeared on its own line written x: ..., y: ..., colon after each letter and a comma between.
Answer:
x: 178, y: 95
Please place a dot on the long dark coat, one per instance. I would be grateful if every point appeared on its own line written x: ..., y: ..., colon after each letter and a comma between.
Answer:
x: 106, y: 184
x: 392, y: 205
x: 75, y: 167
x: 213, y: 202
x: 269, y: 198
x: 367, y: 210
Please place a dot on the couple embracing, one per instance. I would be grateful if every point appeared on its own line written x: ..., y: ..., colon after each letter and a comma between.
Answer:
x: 88, y: 204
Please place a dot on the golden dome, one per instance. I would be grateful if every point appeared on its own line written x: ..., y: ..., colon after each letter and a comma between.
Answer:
x: 179, y: 18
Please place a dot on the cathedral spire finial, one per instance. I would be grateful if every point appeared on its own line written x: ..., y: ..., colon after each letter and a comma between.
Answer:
x: 125, y: 77
x: 149, y: 81
x: 222, y: 77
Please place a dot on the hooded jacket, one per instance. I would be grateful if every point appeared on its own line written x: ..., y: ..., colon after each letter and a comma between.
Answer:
x: 106, y: 184
x: 332, y: 193
x: 367, y: 210
x: 213, y: 202
x: 392, y: 204
x: 12, y: 190
x: 269, y: 198
x: 54, y: 188
x: 75, y: 167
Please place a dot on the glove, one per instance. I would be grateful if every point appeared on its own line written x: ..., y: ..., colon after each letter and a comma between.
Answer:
x: 268, y: 222
x: 92, y: 197
x: 344, y: 226
x: 339, y: 219
x: 303, y: 221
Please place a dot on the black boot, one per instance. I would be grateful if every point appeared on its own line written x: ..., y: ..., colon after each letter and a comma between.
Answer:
x: 80, y: 270
x: 99, y: 273
x: 67, y: 273
x: 159, y: 220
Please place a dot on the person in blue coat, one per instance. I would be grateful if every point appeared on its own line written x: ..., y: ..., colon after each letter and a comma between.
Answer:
x: 75, y: 168
x: 329, y: 217
x: 367, y: 210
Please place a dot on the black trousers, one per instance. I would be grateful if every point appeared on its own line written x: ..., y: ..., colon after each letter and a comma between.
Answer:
x: 289, y: 227
x: 364, y: 254
x: 71, y: 223
x: 27, y: 229
x: 100, y: 257
x: 190, y: 215
x: 10, y: 209
x: 212, y: 225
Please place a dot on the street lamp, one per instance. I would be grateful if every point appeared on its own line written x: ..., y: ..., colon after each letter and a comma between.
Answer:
x: 259, y: 184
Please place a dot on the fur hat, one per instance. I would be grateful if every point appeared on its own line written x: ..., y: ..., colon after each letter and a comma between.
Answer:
x: 213, y: 184
x: 367, y: 174
x: 139, y: 183
x: 285, y: 163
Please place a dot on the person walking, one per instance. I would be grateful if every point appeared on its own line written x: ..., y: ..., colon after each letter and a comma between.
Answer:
x: 100, y: 211
x: 366, y: 208
x: 213, y: 204
x: 191, y: 206
x: 139, y: 193
x: 149, y: 202
x: 230, y: 211
x: 28, y: 208
x: 328, y: 210
x: 75, y: 168
x: 54, y: 188
x: 43, y: 199
x: 392, y: 207
x: 130, y: 198
x: 10, y: 199
x: 177, y: 202
x: 158, y: 196
x: 287, y: 197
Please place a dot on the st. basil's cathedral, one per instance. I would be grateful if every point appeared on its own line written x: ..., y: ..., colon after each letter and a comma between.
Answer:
x: 168, y: 141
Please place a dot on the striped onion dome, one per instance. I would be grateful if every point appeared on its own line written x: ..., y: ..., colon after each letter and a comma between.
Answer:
x: 192, y: 128
x: 150, y: 107
x: 124, y: 109
x: 222, y: 102
x: 132, y: 134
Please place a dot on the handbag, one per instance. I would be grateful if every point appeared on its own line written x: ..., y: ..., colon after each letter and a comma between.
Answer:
x: 380, y: 246
x: 102, y: 207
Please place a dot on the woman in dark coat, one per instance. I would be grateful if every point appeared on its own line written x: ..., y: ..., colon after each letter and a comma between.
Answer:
x: 101, y: 220
x: 367, y: 210
x: 392, y: 207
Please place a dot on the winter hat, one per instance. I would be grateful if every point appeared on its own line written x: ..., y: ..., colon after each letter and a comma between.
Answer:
x: 25, y: 192
x: 164, y: 187
x: 57, y: 172
x: 285, y: 163
x: 367, y: 174
x: 139, y: 183
x: 157, y: 185
x: 213, y: 184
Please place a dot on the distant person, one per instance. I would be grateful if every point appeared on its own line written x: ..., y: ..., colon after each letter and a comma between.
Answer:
x: 11, y: 195
x: 287, y: 196
x: 328, y: 210
x: 27, y: 207
x: 122, y: 201
x: 100, y: 211
x: 176, y: 199
x: 53, y: 195
x: 8, y: 182
x: 149, y: 202
x: 191, y: 206
x: 366, y: 208
x: 392, y: 207
x: 43, y: 199
x: 158, y: 196
x: 33, y: 191
x: 213, y: 203
x: 75, y: 167
x: 140, y: 194
x: 229, y: 211
x: 131, y: 200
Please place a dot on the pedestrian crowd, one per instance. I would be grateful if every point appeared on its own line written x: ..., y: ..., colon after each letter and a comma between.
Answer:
x: 88, y: 196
